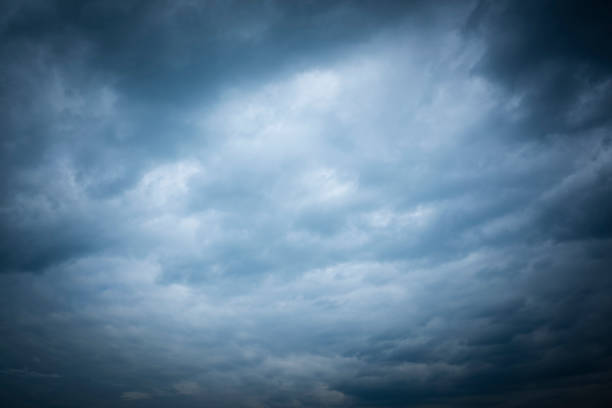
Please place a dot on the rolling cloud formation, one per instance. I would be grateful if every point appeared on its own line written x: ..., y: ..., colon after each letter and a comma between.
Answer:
x: 305, y: 204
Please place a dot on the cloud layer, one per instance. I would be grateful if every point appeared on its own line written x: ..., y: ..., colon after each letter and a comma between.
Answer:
x: 305, y: 204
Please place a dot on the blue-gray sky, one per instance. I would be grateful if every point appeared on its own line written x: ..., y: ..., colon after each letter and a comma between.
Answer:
x: 305, y: 203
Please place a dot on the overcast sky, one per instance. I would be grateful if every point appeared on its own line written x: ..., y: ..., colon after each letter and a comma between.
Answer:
x: 305, y: 204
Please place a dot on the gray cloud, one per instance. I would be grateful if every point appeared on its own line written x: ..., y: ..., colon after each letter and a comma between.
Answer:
x: 305, y: 204
x: 553, y: 57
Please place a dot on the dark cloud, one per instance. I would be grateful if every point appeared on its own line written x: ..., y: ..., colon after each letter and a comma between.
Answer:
x: 305, y: 204
x: 104, y: 85
x: 554, y: 57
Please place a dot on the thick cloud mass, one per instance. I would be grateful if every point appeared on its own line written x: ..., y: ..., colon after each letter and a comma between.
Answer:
x: 305, y: 204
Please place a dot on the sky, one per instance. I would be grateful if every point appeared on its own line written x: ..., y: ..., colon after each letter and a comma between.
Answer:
x: 305, y: 203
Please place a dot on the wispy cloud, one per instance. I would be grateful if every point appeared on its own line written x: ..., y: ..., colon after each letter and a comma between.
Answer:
x: 27, y: 373
x: 134, y: 395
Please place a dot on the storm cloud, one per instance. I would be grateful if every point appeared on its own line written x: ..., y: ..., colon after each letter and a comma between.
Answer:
x: 305, y: 204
